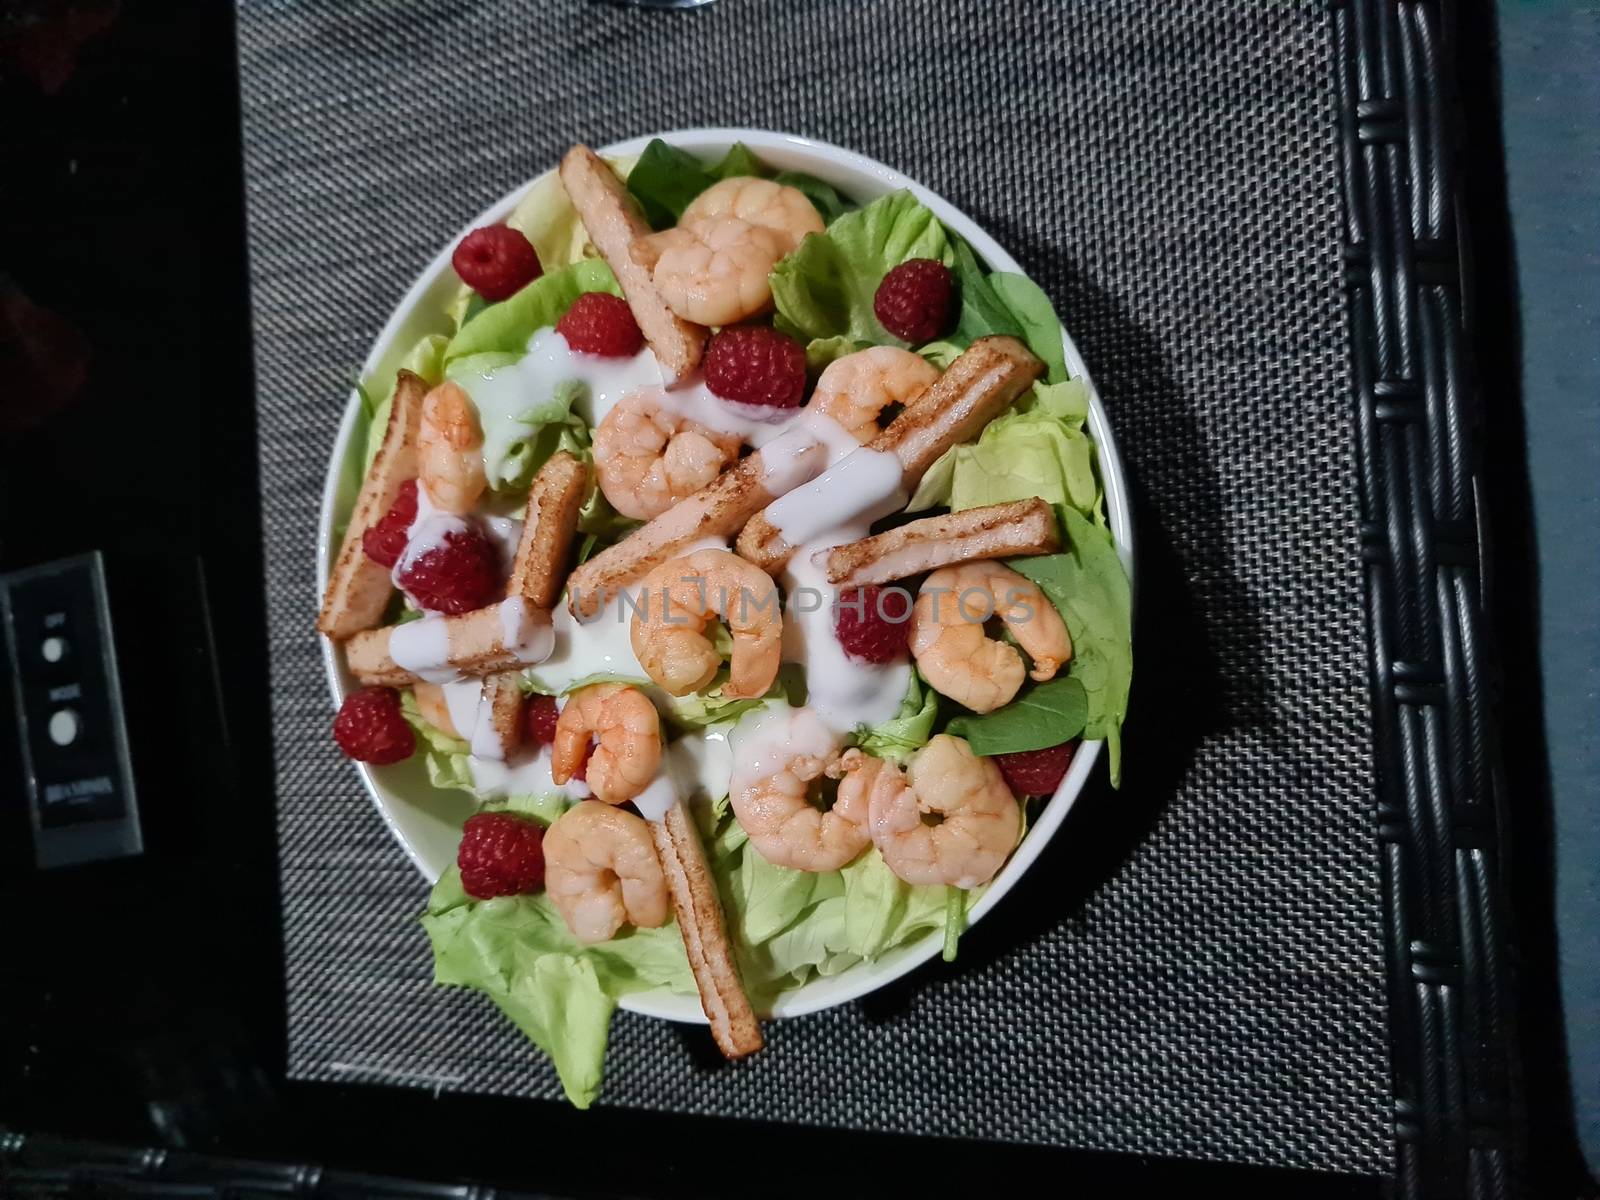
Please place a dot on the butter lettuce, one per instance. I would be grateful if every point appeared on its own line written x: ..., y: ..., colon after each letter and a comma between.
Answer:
x: 560, y: 993
x: 825, y: 288
x: 910, y: 728
x: 1036, y: 449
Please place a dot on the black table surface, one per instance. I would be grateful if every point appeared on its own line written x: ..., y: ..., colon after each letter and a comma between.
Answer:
x: 142, y: 1001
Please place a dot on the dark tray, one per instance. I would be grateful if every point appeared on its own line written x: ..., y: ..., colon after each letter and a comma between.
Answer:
x: 1405, y: 533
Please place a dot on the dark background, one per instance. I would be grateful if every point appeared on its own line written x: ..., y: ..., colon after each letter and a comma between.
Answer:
x: 142, y: 1001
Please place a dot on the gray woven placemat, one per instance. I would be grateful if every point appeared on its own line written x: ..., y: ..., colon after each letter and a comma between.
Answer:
x: 1195, y: 968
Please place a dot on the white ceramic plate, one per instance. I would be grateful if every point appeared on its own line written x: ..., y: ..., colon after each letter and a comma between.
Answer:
x: 426, y: 821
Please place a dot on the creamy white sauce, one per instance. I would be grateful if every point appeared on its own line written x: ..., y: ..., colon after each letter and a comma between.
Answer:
x: 484, y: 741
x: 462, y: 697
x: 844, y: 691
x: 505, y: 533
x: 526, y: 773
x: 505, y: 394
x: 657, y: 800
x: 850, y: 495
x: 766, y: 739
x: 423, y: 648
x: 599, y: 646
x: 701, y: 764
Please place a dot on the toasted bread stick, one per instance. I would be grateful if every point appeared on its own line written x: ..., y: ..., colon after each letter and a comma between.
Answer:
x: 537, y: 574
x: 481, y: 642
x: 993, y: 531
x: 359, y: 587
x: 705, y: 937
x: 614, y: 224
x: 988, y: 375
x: 716, y: 510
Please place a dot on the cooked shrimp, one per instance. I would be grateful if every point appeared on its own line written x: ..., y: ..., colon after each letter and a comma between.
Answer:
x: 976, y: 824
x: 677, y: 602
x: 775, y: 206
x: 434, y: 708
x: 959, y: 659
x: 855, y: 390
x: 450, y: 445
x: 715, y: 273
x: 791, y: 750
x: 623, y: 723
x: 601, y: 870
x: 648, y: 457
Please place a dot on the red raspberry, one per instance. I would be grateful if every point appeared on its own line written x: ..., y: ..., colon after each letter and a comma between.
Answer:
x: 873, y: 623
x: 1036, y: 772
x: 540, y: 717
x: 916, y: 300
x: 496, y: 261
x: 753, y: 364
x: 459, y: 574
x: 370, y: 727
x: 385, y: 542
x: 603, y: 324
x: 501, y: 854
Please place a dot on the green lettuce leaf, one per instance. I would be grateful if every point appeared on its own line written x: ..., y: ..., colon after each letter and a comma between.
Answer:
x: 825, y: 288
x: 1043, y: 714
x: 666, y: 179
x: 560, y: 993
x: 1037, y: 449
x: 1032, y: 311
x: 828, y: 203
x: 710, y: 707
x: 941, y: 354
x: 983, y: 313
x: 1087, y: 584
x: 883, y: 911
x: 822, y: 351
x: 506, y: 327
x: 909, y: 730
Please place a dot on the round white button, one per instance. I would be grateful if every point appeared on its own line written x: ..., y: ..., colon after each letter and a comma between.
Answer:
x: 63, y: 727
x: 53, y: 649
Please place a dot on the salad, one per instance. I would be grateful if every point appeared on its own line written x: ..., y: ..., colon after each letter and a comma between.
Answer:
x: 741, y: 550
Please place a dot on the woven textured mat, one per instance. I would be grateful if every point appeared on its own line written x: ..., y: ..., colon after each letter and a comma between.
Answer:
x: 1195, y: 968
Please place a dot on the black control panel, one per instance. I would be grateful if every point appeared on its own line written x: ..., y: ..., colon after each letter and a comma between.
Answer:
x: 69, y: 712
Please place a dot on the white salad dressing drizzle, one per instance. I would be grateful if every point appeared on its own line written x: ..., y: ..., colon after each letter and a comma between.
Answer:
x: 423, y: 648
x: 701, y: 765
x: 462, y: 697
x: 767, y: 739
x: 847, y: 497
x: 844, y: 691
x: 526, y: 773
x: 506, y: 393
x: 603, y: 644
x: 504, y: 532
x: 656, y: 801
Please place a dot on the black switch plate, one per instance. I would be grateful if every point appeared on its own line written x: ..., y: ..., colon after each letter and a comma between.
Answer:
x: 69, y: 712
